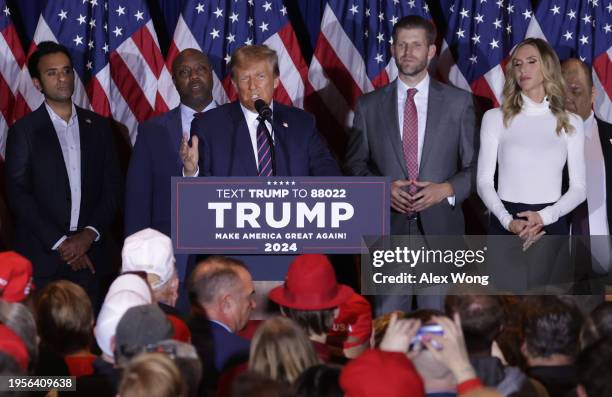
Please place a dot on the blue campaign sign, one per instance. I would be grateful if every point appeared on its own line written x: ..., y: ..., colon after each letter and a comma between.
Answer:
x: 254, y: 215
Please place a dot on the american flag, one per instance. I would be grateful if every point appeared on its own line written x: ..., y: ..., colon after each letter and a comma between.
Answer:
x: 478, y: 40
x: 218, y: 27
x: 352, y: 57
x: 120, y: 70
x: 581, y: 29
x: 12, y: 60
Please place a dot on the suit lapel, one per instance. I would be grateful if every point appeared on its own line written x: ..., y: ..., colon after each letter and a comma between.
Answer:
x: 48, y: 138
x: 280, y: 125
x: 435, y: 103
x: 87, y: 143
x: 391, y: 124
x: 241, y: 145
x: 174, y: 126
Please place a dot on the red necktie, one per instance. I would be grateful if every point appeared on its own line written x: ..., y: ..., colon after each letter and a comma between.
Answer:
x: 410, y: 138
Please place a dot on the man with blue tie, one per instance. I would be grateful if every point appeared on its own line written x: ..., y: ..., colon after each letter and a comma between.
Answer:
x: 232, y: 141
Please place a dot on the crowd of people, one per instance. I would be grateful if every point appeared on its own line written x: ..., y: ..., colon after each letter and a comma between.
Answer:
x: 177, y: 325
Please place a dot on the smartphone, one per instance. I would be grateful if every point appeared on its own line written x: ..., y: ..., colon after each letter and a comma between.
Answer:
x: 432, y: 329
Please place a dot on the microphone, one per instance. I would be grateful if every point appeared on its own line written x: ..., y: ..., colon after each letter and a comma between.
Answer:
x: 263, y: 109
x: 265, y: 113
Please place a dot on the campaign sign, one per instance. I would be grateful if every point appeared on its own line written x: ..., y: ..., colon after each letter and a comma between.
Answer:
x: 288, y: 215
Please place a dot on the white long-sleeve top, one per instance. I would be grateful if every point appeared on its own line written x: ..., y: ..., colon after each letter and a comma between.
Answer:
x: 531, y: 156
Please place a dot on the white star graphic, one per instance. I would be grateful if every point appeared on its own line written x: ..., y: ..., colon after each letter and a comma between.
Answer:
x: 411, y: 3
x: 231, y: 38
x: 527, y: 14
x: 586, y: 18
x: 214, y: 33
x: 6, y: 11
x: 120, y: 11
x: 476, y: 39
x: 263, y: 26
x: 90, y: 44
x: 494, y: 44
x: 582, y: 58
x: 78, y: 40
x: 426, y: 8
x: 105, y: 48
x: 460, y: 33
x: 395, y: 1
x: 200, y: 8
x: 555, y: 10
x: 452, y: 8
x: 354, y: 9
x: 248, y: 41
x: 571, y: 14
x: 81, y: 19
x: 608, y: 28
x: 93, y: 3
x: 283, y: 10
x: 500, y: 3
x: 510, y: 9
x: 509, y: 29
x: 393, y: 20
x: 473, y: 59
x: 497, y: 23
x: 233, y: 17
x: 118, y: 31
x: 139, y: 15
x: 464, y: 13
x: 89, y: 65
x: 62, y: 15
x: 609, y: 8
x: 380, y: 37
x: 381, y: 17
x: 479, y: 18
x: 379, y: 58
x: 92, y: 23
x: 367, y: 12
x: 267, y: 6
x: 218, y: 12
x: 568, y: 35
x: 227, y: 58
x: 250, y: 3
x: 584, y: 40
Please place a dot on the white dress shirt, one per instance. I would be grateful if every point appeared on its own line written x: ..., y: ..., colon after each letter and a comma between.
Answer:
x: 188, y: 114
x: 530, y: 156
x: 68, y: 134
x: 421, y: 99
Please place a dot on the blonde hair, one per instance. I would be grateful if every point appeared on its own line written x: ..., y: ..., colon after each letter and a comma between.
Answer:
x: 281, y: 350
x: 554, y: 86
x: 151, y: 375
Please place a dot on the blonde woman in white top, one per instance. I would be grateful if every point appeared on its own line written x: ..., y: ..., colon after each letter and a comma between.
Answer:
x: 530, y: 139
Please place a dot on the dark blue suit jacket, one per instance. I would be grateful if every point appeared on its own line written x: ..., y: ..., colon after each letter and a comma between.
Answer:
x: 225, y: 145
x: 154, y: 161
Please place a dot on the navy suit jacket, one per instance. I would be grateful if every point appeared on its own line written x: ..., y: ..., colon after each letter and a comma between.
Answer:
x: 154, y: 161
x: 225, y: 144
x: 38, y: 188
x: 218, y: 349
x: 605, y: 137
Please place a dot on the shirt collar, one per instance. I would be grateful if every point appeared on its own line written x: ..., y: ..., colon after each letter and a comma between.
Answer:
x: 222, y: 325
x: 251, y: 116
x: 588, y: 125
x: 55, y: 117
x: 422, y: 86
x: 188, y: 112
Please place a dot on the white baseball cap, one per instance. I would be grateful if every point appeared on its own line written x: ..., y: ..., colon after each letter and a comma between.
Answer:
x: 150, y: 251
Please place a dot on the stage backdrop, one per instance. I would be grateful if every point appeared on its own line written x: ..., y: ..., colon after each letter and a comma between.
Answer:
x: 331, y: 51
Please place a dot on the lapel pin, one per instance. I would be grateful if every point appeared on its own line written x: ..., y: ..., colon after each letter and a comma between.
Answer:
x: 285, y: 125
x: 88, y: 121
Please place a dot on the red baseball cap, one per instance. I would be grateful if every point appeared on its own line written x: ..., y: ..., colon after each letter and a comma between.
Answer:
x: 353, y: 325
x: 381, y: 374
x: 310, y: 284
x: 15, y: 277
x: 11, y: 344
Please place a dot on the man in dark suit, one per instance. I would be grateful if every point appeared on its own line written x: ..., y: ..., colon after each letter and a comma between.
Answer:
x: 63, y: 179
x: 224, y: 296
x: 155, y: 159
x: 593, y: 217
x: 402, y: 131
x: 230, y: 140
